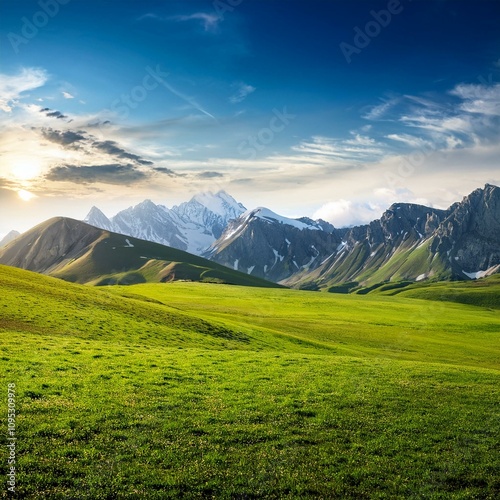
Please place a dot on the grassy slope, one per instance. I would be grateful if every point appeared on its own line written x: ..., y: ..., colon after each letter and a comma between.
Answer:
x: 112, y: 260
x: 483, y: 292
x: 189, y: 390
x: 351, y: 325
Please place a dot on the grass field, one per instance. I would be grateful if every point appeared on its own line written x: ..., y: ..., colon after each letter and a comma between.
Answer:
x: 195, y: 390
x: 483, y: 292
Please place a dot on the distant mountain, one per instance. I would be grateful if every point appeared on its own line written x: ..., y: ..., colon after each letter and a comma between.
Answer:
x: 192, y: 226
x: 409, y: 242
x: 412, y: 242
x: 75, y: 251
x: 469, y: 238
x: 265, y: 244
x: 210, y: 211
x: 9, y: 237
x: 97, y: 218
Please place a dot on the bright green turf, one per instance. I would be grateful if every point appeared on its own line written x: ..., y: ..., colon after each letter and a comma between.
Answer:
x: 483, y: 292
x: 189, y: 390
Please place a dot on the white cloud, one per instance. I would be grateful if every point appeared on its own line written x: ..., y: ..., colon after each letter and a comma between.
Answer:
x: 342, y: 213
x: 409, y: 140
x: 482, y: 99
x: 378, y: 111
x: 244, y: 90
x: 210, y: 21
x: 12, y: 86
x: 359, y: 148
x: 67, y: 95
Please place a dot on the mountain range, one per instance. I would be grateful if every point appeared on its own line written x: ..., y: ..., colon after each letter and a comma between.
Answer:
x: 409, y: 242
x: 192, y: 226
x: 77, y: 252
x: 12, y: 235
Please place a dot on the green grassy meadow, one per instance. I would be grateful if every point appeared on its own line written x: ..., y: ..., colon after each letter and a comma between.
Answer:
x: 198, y: 390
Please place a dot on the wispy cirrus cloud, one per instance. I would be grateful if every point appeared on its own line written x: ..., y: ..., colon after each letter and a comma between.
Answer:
x: 467, y: 115
x: 410, y: 140
x: 479, y: 99
x: 357, y: 148
x: 13, y: 86
x: 209, y: 21
x: 378, y: 111
x: 188, y: 99
x: 243, y: 91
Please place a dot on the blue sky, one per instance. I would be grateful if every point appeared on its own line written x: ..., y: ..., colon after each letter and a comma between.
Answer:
x: 330, y: 109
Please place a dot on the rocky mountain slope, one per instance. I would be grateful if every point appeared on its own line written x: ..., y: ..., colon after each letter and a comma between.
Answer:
x: 408, y: 243
x: 273, y: 247
x: 412, y: 242
x: 75, y: 251
x: 192, y: 226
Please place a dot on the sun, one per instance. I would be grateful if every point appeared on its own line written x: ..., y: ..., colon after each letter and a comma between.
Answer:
x: 25, y: 195
x: 26, y: 168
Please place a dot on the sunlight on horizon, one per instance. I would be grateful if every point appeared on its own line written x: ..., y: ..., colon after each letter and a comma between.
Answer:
x: 26, y: 168
x: 25, y: 195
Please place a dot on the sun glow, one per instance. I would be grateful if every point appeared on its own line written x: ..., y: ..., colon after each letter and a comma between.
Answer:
x: 25, y: 195
x: 26, y: 168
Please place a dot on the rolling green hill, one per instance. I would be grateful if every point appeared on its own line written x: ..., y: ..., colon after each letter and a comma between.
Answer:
x: 484, y: 292
x: 189, y: 390
x: 74, y: 251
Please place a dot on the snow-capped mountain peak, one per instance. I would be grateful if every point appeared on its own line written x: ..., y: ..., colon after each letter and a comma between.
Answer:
x: 191, y: 226
x: 264, y: 243
x: 97, y: 218
x: 210, y: 212
x: 272, y: 217
x: 219, y: 203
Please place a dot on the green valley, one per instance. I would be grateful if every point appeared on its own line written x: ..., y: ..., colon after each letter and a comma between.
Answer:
x: 202, y: 390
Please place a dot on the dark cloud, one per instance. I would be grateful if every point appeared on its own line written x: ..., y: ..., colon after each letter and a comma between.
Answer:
x: 164, y: 170
x: 108, y: 174
x: 52, y: 114
x: 56, y: 114
x: 112, y: 148
x: 70, y: 138
x: 209, y: 175
x: 67, y: 138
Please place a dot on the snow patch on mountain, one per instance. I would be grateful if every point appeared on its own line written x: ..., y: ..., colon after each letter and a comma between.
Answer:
x: 191, y: 226
x: 269, y: 216
x: 477, y: 274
